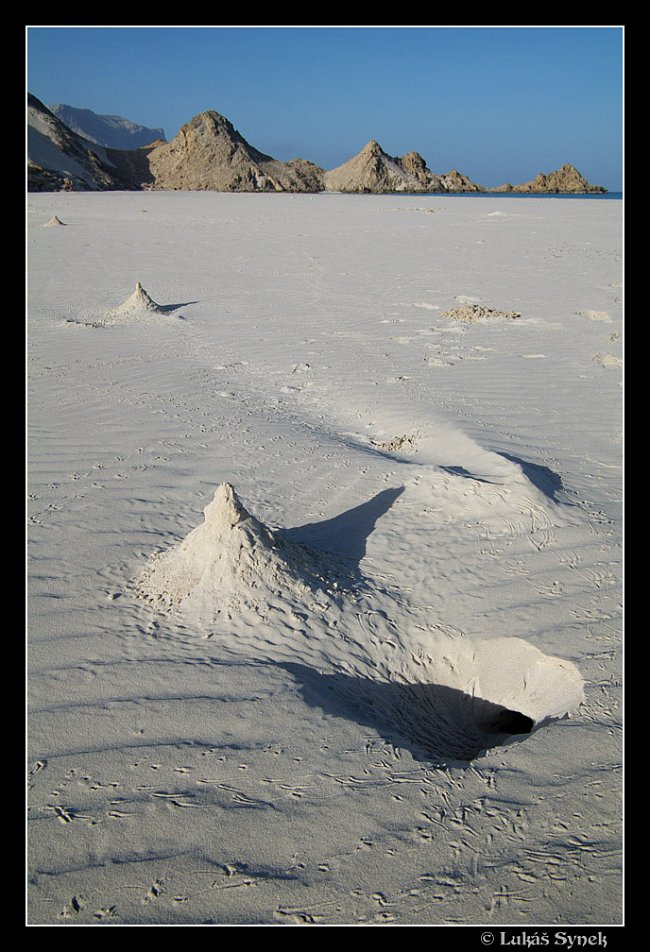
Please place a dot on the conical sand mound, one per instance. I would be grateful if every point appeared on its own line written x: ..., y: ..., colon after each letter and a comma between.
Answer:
x: 138, y: 301
x: 53, y: 222
x: 230, y: 561
x: 139, y: 306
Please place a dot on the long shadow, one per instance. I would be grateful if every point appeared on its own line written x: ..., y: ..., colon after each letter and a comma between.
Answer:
x: 345, y: 535
x: 541, y: 477
x: 439, y: 724
x: 465, y: 473
x: 168, y: 308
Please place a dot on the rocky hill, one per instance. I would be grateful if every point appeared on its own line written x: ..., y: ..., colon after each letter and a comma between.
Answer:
x: 566, y: 180
x: 60, y: 159
x: 209, y: 153
x: 373, y: 170
x: 114, y: 132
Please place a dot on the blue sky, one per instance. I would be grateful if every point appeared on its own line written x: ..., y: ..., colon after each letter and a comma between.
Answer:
x: 499, y: 104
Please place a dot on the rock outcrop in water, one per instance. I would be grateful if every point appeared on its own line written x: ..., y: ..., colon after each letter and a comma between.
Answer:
x: 565, y: 180
x: 373, y: 170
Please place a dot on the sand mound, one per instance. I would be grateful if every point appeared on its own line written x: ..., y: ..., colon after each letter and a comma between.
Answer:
x: 474, y: 313
x: 53, y: 222
x: 608, y: 360
x: 449, y: 700
x: 138, y: 306
x: 233, y: 561
x: 138, y: 301
x: 516, y: 675
x: 461, y: 701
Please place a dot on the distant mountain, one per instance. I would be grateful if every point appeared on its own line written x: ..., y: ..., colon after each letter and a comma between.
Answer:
x: 209, y: 153
x: 566, y: 180
x: 114, y: 132
x: 373, y: 170
x: 59, y: 159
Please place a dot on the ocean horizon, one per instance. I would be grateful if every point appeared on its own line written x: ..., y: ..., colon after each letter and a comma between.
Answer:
x: 617, y: 196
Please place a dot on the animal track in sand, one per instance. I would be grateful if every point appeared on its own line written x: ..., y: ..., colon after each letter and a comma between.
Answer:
x: 154, y: 891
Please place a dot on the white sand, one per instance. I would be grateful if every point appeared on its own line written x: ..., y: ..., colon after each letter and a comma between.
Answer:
x: 308, y: 699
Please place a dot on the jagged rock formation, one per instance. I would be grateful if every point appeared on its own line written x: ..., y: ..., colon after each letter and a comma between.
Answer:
x: 209, y: 153
x: 114, y: 132
x: 59, y: 159
x: 373, y: 170
x: 565, y: 180
x: 455, y: 181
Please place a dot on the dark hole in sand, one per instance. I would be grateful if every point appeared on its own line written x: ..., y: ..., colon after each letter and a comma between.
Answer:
x: 510, y: 722
x: 436, y: 723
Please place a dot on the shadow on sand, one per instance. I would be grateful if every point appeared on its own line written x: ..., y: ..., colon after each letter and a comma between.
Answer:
x: 170, y: 308
x: 541, y: 477
x: 436, y: 723
x: 465, y: 473
x: 345, y: 535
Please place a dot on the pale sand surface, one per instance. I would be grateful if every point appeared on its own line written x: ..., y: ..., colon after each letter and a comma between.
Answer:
x: 288, y: 719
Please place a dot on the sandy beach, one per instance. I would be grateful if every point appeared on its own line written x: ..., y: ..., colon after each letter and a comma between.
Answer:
x: 324, y: 559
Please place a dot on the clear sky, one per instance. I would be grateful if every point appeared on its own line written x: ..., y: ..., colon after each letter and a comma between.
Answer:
x: 497, y: 103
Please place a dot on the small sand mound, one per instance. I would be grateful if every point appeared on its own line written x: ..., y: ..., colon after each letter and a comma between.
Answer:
x: 608, y: 360
x: 53, y: 222
x: 232, y: 561
x: 474, y: 313
x: 138, y: 301
x: 138, y: 306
